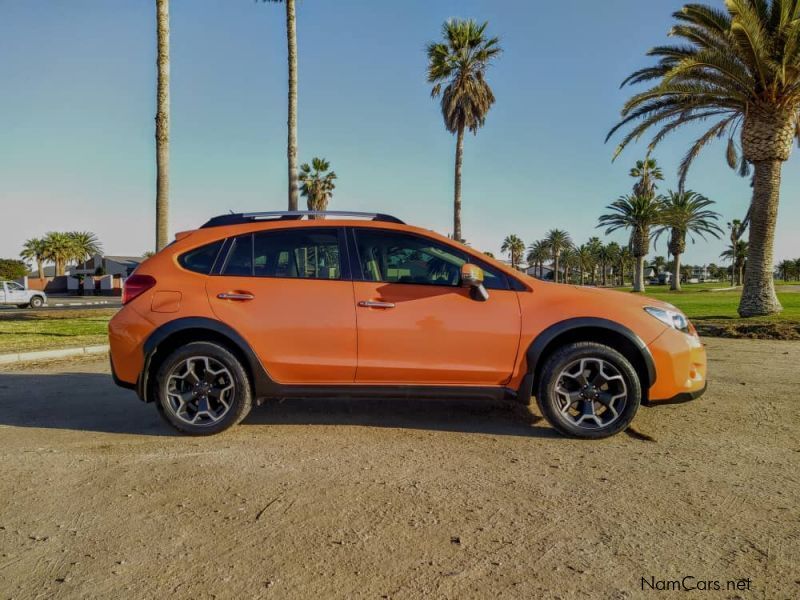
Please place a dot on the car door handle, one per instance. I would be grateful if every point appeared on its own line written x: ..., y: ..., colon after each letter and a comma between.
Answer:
x: 376, y: 304
x: 241, y: 296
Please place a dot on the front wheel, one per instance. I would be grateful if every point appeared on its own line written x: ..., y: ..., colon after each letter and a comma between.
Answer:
x: 588, y: 390
x: 37, y: 302
x: 203, y: 389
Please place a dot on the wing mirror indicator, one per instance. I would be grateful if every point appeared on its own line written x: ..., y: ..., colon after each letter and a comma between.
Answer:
x: 472, y: 278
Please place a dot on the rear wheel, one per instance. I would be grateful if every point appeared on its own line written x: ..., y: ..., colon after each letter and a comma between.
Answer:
x: 588, y: 390
x: 37, y: 302
x: 203, y: 389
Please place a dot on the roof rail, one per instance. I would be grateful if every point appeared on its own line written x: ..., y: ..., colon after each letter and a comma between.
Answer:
x: 294, y: 215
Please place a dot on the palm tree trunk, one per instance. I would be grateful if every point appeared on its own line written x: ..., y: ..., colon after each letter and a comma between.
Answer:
x: 604, y: 274
x: 457, y: 186
x: 758, y: 294
x: 555, y: 268
x: 675, y: 284
x: 162, y: 125
x: 40, y: 268
x: 583, y: 276
x: 291, y: 147
x: 638, y: 275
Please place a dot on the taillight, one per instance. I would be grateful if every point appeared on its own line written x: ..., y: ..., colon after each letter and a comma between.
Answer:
x: 136, y: 285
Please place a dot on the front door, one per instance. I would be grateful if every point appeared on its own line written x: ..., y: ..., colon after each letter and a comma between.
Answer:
x: 417, y: 325
x: 286, y: 293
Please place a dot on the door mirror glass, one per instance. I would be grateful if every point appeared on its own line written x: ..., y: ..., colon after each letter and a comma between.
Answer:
x: 472, y: 277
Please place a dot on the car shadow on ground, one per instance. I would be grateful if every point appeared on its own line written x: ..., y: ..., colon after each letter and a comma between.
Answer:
x: 91, y: 402
x: 466, y: 416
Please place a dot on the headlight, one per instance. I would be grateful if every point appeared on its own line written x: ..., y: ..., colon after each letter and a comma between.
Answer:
x: 670, y: 318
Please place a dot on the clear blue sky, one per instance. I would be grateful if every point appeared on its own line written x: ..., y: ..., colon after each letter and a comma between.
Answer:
x: 76, y: 117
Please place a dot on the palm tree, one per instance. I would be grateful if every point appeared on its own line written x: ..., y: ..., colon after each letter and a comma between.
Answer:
x: 162, y: 125
x: 557, y: 240
x: 595, y: 245
x: 515, y: 247
x: 585, y: 259
x: 741, y: 68
x: 84, y: 245
x: 686, y: 213
x: 640, y: 214
x: 58, y: 249
x: 611, y: 251
x: 291, y: 146
x: 647, y: 172
x: 738, y: 255
x: 538, y: 252
x: 457, y: 69
x: 605, y: 257
x: 625, y: 260
x: 35, y: 249
x: 317, y: 183
x: 785, y: 269
x: 568, y: 260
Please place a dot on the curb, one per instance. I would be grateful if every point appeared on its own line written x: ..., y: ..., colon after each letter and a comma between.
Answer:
x: 103, y: 302
x: 17, y: 357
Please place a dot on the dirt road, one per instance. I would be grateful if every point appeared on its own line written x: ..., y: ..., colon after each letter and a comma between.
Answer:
x: 368, y: 499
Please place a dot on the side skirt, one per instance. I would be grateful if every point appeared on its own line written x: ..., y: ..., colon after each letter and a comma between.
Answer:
x: 387, y: 391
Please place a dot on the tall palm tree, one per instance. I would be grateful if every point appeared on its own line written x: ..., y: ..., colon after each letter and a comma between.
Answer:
x: 35, y: 249
x: 538, y: 252
x: 646, y: 172
x: 515, y: 248
x: 738, y: 255
x: 84, y: 245
x: 291, y: 146
x: 741, y: 68
x: 640, y: 214
x: 317, y: 183
x: 457, y: 69
x: 557, y: 240
x: 585, y: 259
x: 686, y: 213
x: 162, y: 125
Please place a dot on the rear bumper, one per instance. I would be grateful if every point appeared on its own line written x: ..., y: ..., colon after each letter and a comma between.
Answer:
x: 123, y: 384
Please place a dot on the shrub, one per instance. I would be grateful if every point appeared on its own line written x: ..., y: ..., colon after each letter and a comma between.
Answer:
x: 12, y: 269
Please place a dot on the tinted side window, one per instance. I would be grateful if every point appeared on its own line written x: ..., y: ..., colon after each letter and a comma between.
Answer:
x: 240, y: 257
x: 200, y: 260
x: 298, y: 253
x: 403, y: 258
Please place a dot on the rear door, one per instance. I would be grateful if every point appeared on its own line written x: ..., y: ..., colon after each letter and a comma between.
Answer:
x: 289, y: 294
x: 417, y: 325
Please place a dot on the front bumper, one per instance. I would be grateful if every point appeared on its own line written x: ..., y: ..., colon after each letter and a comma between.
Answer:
x: 681, y: 368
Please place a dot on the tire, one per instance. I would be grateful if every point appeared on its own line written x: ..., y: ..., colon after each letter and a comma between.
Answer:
x: 588, y: 390
x: 203, y: 389
x: 36, y: 302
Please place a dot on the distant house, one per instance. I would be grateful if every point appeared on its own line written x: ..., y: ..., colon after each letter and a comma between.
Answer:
x: 108, y: 265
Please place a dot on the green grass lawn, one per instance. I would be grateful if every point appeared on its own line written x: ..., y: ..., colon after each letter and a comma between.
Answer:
x: 699, y: 304
x: 44, y: 330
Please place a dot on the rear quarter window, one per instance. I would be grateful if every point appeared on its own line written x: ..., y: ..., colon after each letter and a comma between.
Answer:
x: 201, y: 260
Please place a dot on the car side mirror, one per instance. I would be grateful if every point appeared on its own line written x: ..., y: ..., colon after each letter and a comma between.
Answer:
x: 472, y: 277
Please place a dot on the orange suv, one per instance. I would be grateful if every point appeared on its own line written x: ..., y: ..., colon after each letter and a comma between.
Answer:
x: 298, y: 304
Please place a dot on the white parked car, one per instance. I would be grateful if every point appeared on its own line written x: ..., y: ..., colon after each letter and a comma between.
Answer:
x: 13, y: 293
